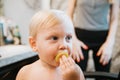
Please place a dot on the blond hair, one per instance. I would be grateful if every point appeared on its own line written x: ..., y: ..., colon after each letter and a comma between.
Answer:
x: 45, y: 19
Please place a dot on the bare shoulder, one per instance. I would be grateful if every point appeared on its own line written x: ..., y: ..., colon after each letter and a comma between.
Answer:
x: 23, y: 73
x: 30, y: 72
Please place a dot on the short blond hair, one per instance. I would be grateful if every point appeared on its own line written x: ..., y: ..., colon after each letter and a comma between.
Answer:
x: 45, y: 19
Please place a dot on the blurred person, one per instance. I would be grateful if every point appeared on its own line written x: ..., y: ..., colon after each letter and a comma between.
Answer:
x: 95, y: 24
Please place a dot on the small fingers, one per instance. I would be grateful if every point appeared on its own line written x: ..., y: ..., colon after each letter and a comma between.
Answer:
x: 66, y: 62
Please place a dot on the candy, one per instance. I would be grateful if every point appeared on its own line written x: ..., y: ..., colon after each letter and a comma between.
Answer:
x: 59, y: 55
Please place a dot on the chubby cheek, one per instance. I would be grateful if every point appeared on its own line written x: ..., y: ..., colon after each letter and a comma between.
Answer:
x: 51, y: 51
x: 47, y: 51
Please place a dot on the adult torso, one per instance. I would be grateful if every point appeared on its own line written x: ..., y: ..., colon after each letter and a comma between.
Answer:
x: 92, y: 14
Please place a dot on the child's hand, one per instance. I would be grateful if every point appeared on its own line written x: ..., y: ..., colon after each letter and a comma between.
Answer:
x: 69, y: 70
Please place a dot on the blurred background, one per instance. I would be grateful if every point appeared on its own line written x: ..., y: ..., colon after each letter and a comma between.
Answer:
x: 15, y: 16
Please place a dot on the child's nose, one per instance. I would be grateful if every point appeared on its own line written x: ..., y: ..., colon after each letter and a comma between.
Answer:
x: 63, y: 46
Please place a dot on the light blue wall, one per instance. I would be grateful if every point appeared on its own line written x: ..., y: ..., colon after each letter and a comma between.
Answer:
x: 21, y: 13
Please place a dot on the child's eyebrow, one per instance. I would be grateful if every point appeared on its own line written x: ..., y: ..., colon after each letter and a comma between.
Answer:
x: 70, y: 34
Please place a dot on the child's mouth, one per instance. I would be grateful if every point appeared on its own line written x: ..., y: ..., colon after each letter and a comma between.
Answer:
x: 60, y: 54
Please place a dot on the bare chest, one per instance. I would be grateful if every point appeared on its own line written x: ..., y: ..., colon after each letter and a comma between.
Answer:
x: 45, y: 76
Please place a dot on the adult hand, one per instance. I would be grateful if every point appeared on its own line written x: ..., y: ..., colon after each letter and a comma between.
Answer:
x: 105, y: 52
x: 77, y: 51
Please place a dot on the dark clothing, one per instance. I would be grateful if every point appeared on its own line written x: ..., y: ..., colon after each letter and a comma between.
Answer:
x: 94, y: 40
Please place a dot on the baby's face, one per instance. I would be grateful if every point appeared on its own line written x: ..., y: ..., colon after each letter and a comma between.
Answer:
x: 52, y: 40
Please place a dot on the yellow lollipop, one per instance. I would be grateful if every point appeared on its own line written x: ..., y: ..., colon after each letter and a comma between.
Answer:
x: 60, y: 54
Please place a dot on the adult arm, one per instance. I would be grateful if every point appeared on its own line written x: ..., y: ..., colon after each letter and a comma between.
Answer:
x: 77, y: 44
x: 106, y: 49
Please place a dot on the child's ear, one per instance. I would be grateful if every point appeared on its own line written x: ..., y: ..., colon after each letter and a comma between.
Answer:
x: 32, y: 43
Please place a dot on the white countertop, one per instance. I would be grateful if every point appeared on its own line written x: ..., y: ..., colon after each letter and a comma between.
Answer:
x: 14, y: 53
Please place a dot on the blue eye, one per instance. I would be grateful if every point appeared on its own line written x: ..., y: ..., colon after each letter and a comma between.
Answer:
x: 68, y: 38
